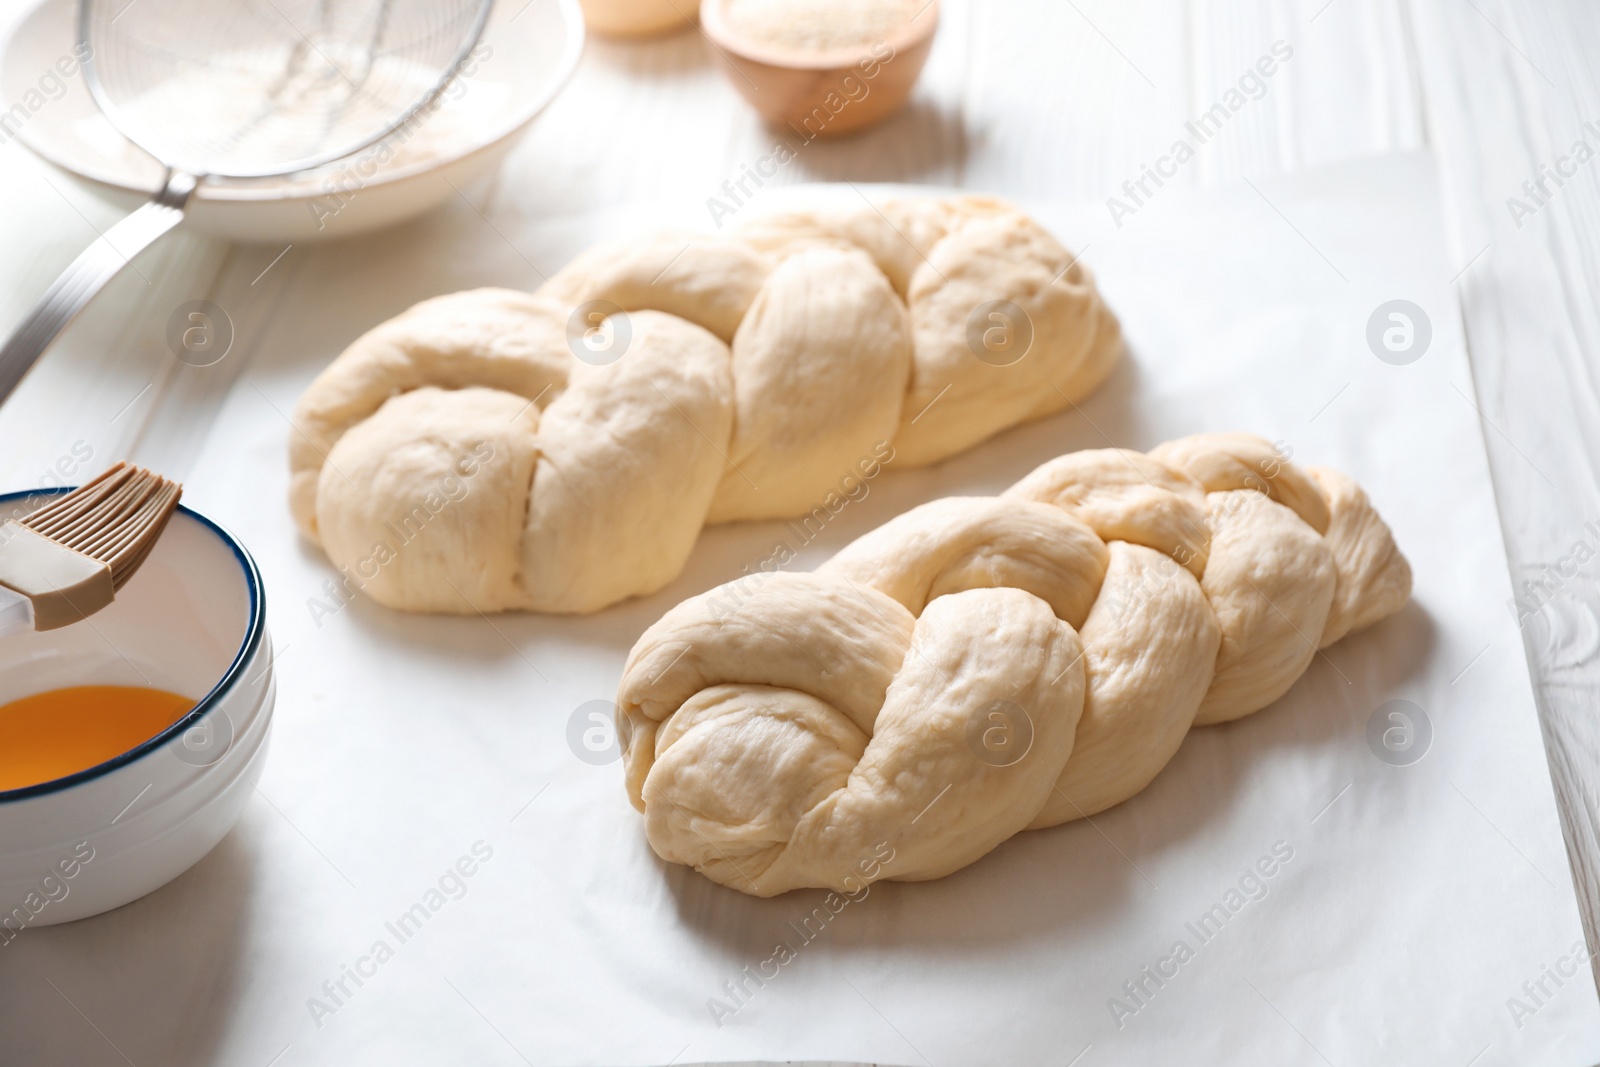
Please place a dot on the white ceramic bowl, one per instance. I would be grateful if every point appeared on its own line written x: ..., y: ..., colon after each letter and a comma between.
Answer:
x: 525, y: 58
x: 191, y: 621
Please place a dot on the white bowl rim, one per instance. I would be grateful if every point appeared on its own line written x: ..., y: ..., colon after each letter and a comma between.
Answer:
x: 283, y: 189
x: 254, y: 635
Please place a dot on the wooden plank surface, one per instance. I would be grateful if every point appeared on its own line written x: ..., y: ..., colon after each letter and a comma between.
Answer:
x: 1062, y: 99
x: 1510, y: 88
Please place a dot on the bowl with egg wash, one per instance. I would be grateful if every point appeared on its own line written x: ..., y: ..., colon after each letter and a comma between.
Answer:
x: 822, y: 68
x: 130, y: 742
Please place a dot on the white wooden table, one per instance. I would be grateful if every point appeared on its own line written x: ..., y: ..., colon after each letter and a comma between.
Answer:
x: 1056, y: 99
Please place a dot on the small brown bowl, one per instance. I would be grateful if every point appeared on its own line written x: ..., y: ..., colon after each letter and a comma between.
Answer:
x: 638, y: 18
x: 823, y: 94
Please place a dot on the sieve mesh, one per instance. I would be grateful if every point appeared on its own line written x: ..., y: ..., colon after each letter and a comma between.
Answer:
x: 249, y: 88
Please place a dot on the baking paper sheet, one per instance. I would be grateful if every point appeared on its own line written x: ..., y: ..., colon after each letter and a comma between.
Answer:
x: 1405, y: 908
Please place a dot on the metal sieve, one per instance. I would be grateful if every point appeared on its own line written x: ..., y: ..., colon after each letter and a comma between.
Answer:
x: 243, y: 89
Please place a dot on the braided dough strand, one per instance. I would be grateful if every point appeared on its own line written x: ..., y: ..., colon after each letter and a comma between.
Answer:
x: 747, y: 377
x: 981, y: 666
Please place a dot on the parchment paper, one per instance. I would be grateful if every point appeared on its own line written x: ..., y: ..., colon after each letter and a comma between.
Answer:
x: 1406, y: 906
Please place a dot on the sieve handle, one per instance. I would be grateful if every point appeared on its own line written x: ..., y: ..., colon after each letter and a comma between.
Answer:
x: 88, y: 274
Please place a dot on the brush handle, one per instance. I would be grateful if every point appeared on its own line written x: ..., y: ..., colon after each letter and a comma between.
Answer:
x: 16, y: 613
x: 88, y: 274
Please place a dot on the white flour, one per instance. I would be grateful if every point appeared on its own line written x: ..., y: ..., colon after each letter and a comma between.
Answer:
x: 820, y: 25
x: 240, y: 110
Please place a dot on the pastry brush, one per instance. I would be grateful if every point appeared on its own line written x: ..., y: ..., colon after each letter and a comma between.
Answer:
x: 66, y: 560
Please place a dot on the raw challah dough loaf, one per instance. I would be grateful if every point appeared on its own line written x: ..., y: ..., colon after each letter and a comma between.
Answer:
x: 560, y: 451
x: 981, y: 666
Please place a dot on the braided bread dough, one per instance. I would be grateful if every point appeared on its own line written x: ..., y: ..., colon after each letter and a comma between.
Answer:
x: 982, y: 666
x: 462, y: 457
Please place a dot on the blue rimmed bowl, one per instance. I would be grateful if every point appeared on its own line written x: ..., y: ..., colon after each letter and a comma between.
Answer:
x: 191, y: 621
